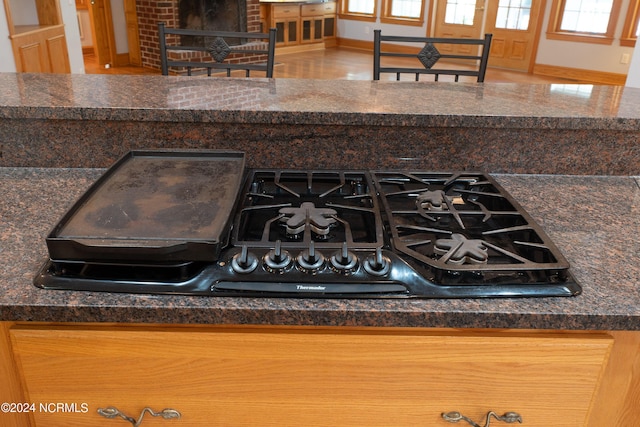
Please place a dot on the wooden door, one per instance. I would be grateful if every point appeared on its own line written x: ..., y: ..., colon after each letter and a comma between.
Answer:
x: 515, y: 27
x: 104, y: 41
x: 516, y: 30
x: 459, y: 18
x: 131, y: 18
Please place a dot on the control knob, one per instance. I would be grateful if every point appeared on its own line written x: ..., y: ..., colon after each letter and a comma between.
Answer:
x: 377, y: 264
x: 244, y: 262
x: 277, y: 260
x: 344, y: 261
x: 309, y: 260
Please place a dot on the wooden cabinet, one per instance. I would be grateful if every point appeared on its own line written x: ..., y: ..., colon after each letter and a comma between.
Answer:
x: 39, y: 42
x: 306, y: 376
x: 312, y: 20
x: 301, y: 25
x: 318, y: 22
x: 286, y: 19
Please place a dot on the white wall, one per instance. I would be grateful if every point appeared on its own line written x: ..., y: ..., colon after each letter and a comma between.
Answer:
x: 120, y: 26
x: 7, y: 65
x: 85, y: 24
x: 72, y: 33
x: 587, y: 56
x: 24, y: 12
x: 633, y: 78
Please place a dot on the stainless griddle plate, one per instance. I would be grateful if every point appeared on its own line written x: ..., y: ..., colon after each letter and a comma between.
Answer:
x: 154, y: 206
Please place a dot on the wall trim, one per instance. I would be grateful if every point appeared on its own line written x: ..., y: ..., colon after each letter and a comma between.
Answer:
x: 580, y: 75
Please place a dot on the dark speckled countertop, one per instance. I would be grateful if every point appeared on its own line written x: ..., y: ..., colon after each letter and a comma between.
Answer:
x: 77, y: 121
x: 594, y: 220
x: 300, y: 101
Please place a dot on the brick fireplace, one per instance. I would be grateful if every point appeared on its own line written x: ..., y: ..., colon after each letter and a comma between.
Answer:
x: 150, y: 12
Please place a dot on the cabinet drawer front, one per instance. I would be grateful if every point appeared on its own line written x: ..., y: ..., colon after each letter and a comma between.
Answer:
x: 329, y: 8
x: 310, y: 377
x: 286, y: 11
x: 317, y: 9
x: 311, y: 10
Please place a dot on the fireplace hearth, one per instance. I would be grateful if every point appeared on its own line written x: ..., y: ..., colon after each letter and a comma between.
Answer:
x: 223, y: 15
x: 213, y: 15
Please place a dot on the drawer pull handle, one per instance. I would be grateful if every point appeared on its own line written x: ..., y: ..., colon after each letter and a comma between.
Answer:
x: 508, y: 417
x: 111, y: 412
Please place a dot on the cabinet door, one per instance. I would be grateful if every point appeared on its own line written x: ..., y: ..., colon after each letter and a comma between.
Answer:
x: 312, y: 30
x: 329, y: 26
x: 233, y: 376
x: 58, y: 56
x: 41, y: 51
x: 286, y: 18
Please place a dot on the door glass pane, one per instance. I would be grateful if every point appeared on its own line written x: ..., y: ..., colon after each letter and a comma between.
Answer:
x: 460, y: 12
x: 586, y: 16
x: 513, y: 14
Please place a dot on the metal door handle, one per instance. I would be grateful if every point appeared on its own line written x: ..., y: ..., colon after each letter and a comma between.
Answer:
x: 111, y: 412
x: 508, y: 417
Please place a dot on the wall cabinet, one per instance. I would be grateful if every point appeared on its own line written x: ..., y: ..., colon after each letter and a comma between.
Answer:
x: 301, y: 25
x: 39, y: 44
x: 307, y: 376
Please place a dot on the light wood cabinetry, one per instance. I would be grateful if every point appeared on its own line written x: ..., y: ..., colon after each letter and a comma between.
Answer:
x: 38, y: 47
x: 318, y: 23
x: 286, y: 19
x: 301, y: 26
x: 308, y: 376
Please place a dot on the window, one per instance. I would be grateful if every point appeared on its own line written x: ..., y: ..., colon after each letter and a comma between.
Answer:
x: 461, y: 12
x: 407, y: 12
x: 591, y: 21
x: 631, y: 30
x: 513, y: 14
x: 362, y: 10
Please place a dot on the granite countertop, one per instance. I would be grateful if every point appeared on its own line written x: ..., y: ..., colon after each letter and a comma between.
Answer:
x: 594, y: 220
x: 318, y: 102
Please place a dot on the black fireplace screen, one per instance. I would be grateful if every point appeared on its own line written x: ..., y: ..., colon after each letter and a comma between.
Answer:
x: 212, y: 15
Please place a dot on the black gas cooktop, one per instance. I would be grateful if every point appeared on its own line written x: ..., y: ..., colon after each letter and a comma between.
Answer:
x: 198, y: 223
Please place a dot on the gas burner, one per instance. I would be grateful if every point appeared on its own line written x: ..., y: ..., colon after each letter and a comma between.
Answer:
x: 459, y: 250
x: 298, y: 207
x: 319, y: 220
x: 432, y: 201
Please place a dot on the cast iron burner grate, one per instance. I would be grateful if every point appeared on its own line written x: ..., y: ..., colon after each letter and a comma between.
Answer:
x: 463, y: 228
x: 300, y: 207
